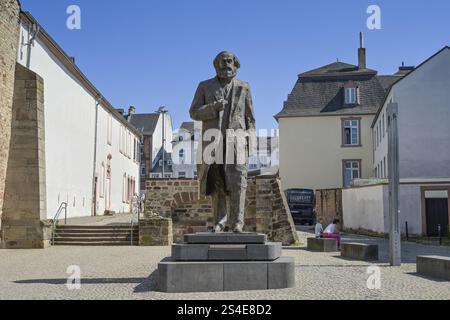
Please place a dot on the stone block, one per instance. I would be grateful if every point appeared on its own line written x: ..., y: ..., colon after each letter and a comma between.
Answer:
x: 192, y: 252
x: 245, y: 276
x: 213, y: 276
x: 282, y: 273
x: 322, y: 245
x: 359, y: 251
x: 225, y: 238
x: 190, y: 276
x: 267, y: 251
x: 434, y: 266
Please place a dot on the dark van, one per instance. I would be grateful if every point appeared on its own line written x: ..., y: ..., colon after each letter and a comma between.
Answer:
x: 302, y: 204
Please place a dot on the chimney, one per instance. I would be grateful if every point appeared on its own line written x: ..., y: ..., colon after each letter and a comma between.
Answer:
x: 131, y: 111
x: 361, y: 52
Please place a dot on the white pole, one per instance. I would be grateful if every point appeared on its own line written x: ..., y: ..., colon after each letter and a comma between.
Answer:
x: 394, y: 180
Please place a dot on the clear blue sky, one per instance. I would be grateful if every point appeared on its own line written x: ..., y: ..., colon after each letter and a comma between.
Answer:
x: 151, y: 53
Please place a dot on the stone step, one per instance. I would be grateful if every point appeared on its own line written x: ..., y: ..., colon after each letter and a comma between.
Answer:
x: 121, y: 226
x: 96, y: 243
x: 104, y: 232
x: 225, y: 238
x: 269, y: 251
x: 107, y: 230
x: 94, y: 238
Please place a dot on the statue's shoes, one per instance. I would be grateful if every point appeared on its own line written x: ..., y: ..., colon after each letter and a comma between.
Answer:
x: 218, y: 228
x: 238, y: 229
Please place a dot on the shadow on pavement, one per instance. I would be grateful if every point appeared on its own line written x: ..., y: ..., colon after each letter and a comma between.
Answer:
x: 83, y: 281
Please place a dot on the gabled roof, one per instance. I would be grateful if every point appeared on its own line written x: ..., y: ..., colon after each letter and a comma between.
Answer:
x: 375, y: 119
x: 337, y: 69
x: 167, y: 157
x: 144, y: 122
x: 188, y: 126
x: 320, y: 92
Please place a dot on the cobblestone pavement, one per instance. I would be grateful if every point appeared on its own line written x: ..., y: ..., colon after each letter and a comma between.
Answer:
x: 128, y: 273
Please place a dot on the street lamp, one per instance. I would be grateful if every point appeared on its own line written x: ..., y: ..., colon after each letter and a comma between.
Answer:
x: 162, y: 110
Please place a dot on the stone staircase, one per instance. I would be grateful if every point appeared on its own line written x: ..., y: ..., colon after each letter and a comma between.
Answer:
x: 104, y: 235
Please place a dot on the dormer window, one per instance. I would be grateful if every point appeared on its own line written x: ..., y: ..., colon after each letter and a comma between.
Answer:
x: 350, y: 95
x: 351, y: 92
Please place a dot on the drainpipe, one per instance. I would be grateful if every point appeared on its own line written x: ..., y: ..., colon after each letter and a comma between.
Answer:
x: 98, y: 101
x: 36, y: 29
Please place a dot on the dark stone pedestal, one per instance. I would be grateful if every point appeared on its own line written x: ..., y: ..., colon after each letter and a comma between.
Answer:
x: 208, y: 262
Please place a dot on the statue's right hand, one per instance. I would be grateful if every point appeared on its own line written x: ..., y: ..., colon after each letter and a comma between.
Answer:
x: 220, y: 105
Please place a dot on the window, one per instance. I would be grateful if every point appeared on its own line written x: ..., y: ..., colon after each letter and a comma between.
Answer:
x: 155, y: 176
x: 143, y: 171
x: 385, y: 170
x: 350, y: 95
x: 352, y: 170
x: 169, y: 162
x: 160, y: 163
x: 124, y: 188
x: 384, y: 125
x: 167, y: 175
x: 102, y: 180
x: 182, y: 174
x: 180, y: 138
x: 195, y: 174
x: 351, y: 132
x: 109, y: 129
x: 181, y: 156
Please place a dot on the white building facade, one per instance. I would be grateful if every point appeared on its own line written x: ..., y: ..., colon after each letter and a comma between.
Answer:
x: 91, y: 151
x: 423, y: 99
x: 184, y: 151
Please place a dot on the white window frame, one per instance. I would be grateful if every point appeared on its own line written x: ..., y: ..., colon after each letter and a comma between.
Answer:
x: 351, y: 95
x: 352, y: 168
x: 351, y: 124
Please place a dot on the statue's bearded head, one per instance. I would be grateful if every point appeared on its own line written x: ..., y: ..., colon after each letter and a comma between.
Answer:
x: 226, y: 65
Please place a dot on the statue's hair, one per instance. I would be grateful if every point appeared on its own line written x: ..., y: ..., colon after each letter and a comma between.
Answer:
x: 237, y: 63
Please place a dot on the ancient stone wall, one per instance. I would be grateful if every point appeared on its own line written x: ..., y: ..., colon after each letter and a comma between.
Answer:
x: 25, y: 202
x: 266, y: 208
x: 9, y: 39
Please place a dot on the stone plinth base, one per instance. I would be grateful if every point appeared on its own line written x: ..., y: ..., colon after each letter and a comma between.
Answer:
x: 434, y: 266
x: 155, y: 231
x: 208, y: 262
x: 359, y: 251
x: 186, y: 276
x: 322, y: 245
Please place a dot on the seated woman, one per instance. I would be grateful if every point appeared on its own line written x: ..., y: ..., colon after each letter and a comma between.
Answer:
x: 332, y: 232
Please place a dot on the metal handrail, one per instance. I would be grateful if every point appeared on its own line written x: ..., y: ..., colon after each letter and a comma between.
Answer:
x: 62, y: 207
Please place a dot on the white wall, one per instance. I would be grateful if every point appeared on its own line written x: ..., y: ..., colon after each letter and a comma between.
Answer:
x: 423, y: 99
x: 188, y: 164
x: 69, y: 136
x: 368, y: 208
x: 158, y: 135
x: 123, y: 163
x: 364, y: 208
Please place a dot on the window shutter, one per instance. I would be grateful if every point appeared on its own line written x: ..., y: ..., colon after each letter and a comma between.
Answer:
x: 358, y: 100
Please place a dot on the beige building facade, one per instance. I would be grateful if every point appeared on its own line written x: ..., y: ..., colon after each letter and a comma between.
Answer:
x: 312, y: 153
x: 325, y: 125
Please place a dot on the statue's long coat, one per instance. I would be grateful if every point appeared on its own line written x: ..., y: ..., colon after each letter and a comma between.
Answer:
x: 241, y: 116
